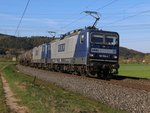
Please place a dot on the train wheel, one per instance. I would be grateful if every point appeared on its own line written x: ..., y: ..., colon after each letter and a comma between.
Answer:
x: 107, y: 75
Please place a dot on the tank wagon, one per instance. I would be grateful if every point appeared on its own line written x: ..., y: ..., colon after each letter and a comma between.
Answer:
x: 25, y: 59
x: 87, y: 51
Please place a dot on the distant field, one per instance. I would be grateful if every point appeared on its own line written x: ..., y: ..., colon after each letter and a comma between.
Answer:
x: 135, y: 70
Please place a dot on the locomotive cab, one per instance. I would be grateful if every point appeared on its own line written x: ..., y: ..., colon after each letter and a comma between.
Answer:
x: 103, y: 53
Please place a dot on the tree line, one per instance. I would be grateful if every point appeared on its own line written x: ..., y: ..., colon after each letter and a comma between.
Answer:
x: 13, y: 45
x: 22, y: 43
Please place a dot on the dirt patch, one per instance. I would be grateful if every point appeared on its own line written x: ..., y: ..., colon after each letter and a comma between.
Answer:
x: 11, y: 101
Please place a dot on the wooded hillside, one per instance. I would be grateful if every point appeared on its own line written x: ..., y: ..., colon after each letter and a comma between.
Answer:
x: 15, y: 44
x: 24, y: 43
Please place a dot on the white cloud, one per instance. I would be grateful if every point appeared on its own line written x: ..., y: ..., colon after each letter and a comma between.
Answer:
x: 46, y: 21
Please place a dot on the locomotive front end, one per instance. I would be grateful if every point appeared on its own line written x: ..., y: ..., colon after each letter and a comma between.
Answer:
x: 103, y: 53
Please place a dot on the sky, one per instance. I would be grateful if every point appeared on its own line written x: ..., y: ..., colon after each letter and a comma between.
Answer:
x: 130, y: 18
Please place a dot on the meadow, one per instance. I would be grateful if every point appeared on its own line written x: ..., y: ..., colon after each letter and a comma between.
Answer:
x: 44, y: 97
x: 135, y: 70
x: 3, y: 107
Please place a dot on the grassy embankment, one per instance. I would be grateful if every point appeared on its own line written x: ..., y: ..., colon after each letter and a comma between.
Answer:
x: 3, y: 106
x: 42, y: 97
x: 135, y: 70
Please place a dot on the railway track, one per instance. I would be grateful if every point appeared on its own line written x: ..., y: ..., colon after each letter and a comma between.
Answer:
x: 131, y: 82
x: 123, y: 81
x: 131, y: 94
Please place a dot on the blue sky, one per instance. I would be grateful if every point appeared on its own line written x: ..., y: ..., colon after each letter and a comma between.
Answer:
x: 131, y: 19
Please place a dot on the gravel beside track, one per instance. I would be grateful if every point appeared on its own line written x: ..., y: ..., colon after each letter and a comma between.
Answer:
x: 113, y: 92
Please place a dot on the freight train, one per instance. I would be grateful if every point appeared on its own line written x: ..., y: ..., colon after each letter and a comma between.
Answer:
x: 88, y: 51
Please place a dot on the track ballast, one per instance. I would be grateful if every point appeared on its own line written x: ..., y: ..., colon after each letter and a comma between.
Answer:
x: 131, y: 94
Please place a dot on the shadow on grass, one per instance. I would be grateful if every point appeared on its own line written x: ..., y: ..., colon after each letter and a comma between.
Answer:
x: 122, y: 77
x: 119, y: 78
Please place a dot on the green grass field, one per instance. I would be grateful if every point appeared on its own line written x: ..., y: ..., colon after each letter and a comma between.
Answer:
x: 3, y: 106
x: 135, y: 70
x: 43, y: 97
x: 46, y: 98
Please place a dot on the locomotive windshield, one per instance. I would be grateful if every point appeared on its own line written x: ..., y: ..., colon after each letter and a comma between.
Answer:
x: 97, y: 39
x: 111, y: 40
x: 104, y: 39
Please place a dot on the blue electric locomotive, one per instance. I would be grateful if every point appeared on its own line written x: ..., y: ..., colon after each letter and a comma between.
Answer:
x: 102, y: 52
x: 89, y: 51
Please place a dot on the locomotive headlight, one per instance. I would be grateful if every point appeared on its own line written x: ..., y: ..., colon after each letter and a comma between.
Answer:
x: 115, y: 57
x: 91, y: 64
x: 91, y: 55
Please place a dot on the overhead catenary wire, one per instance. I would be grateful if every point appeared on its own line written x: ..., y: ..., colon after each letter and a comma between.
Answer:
x: 22, y: 16
x: 108, y: 4
x: 74, y: 21
x: 123, y: 27
x: 80, y: 18
x: 134, y: 14
x: 131, y: 16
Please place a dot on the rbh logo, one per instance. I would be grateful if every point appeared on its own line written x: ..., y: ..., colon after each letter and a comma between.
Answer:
x: 107, y: 51
x: 61, y: 47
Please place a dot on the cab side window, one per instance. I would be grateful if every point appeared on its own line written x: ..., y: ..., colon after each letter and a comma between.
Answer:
x: 82, y: 38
